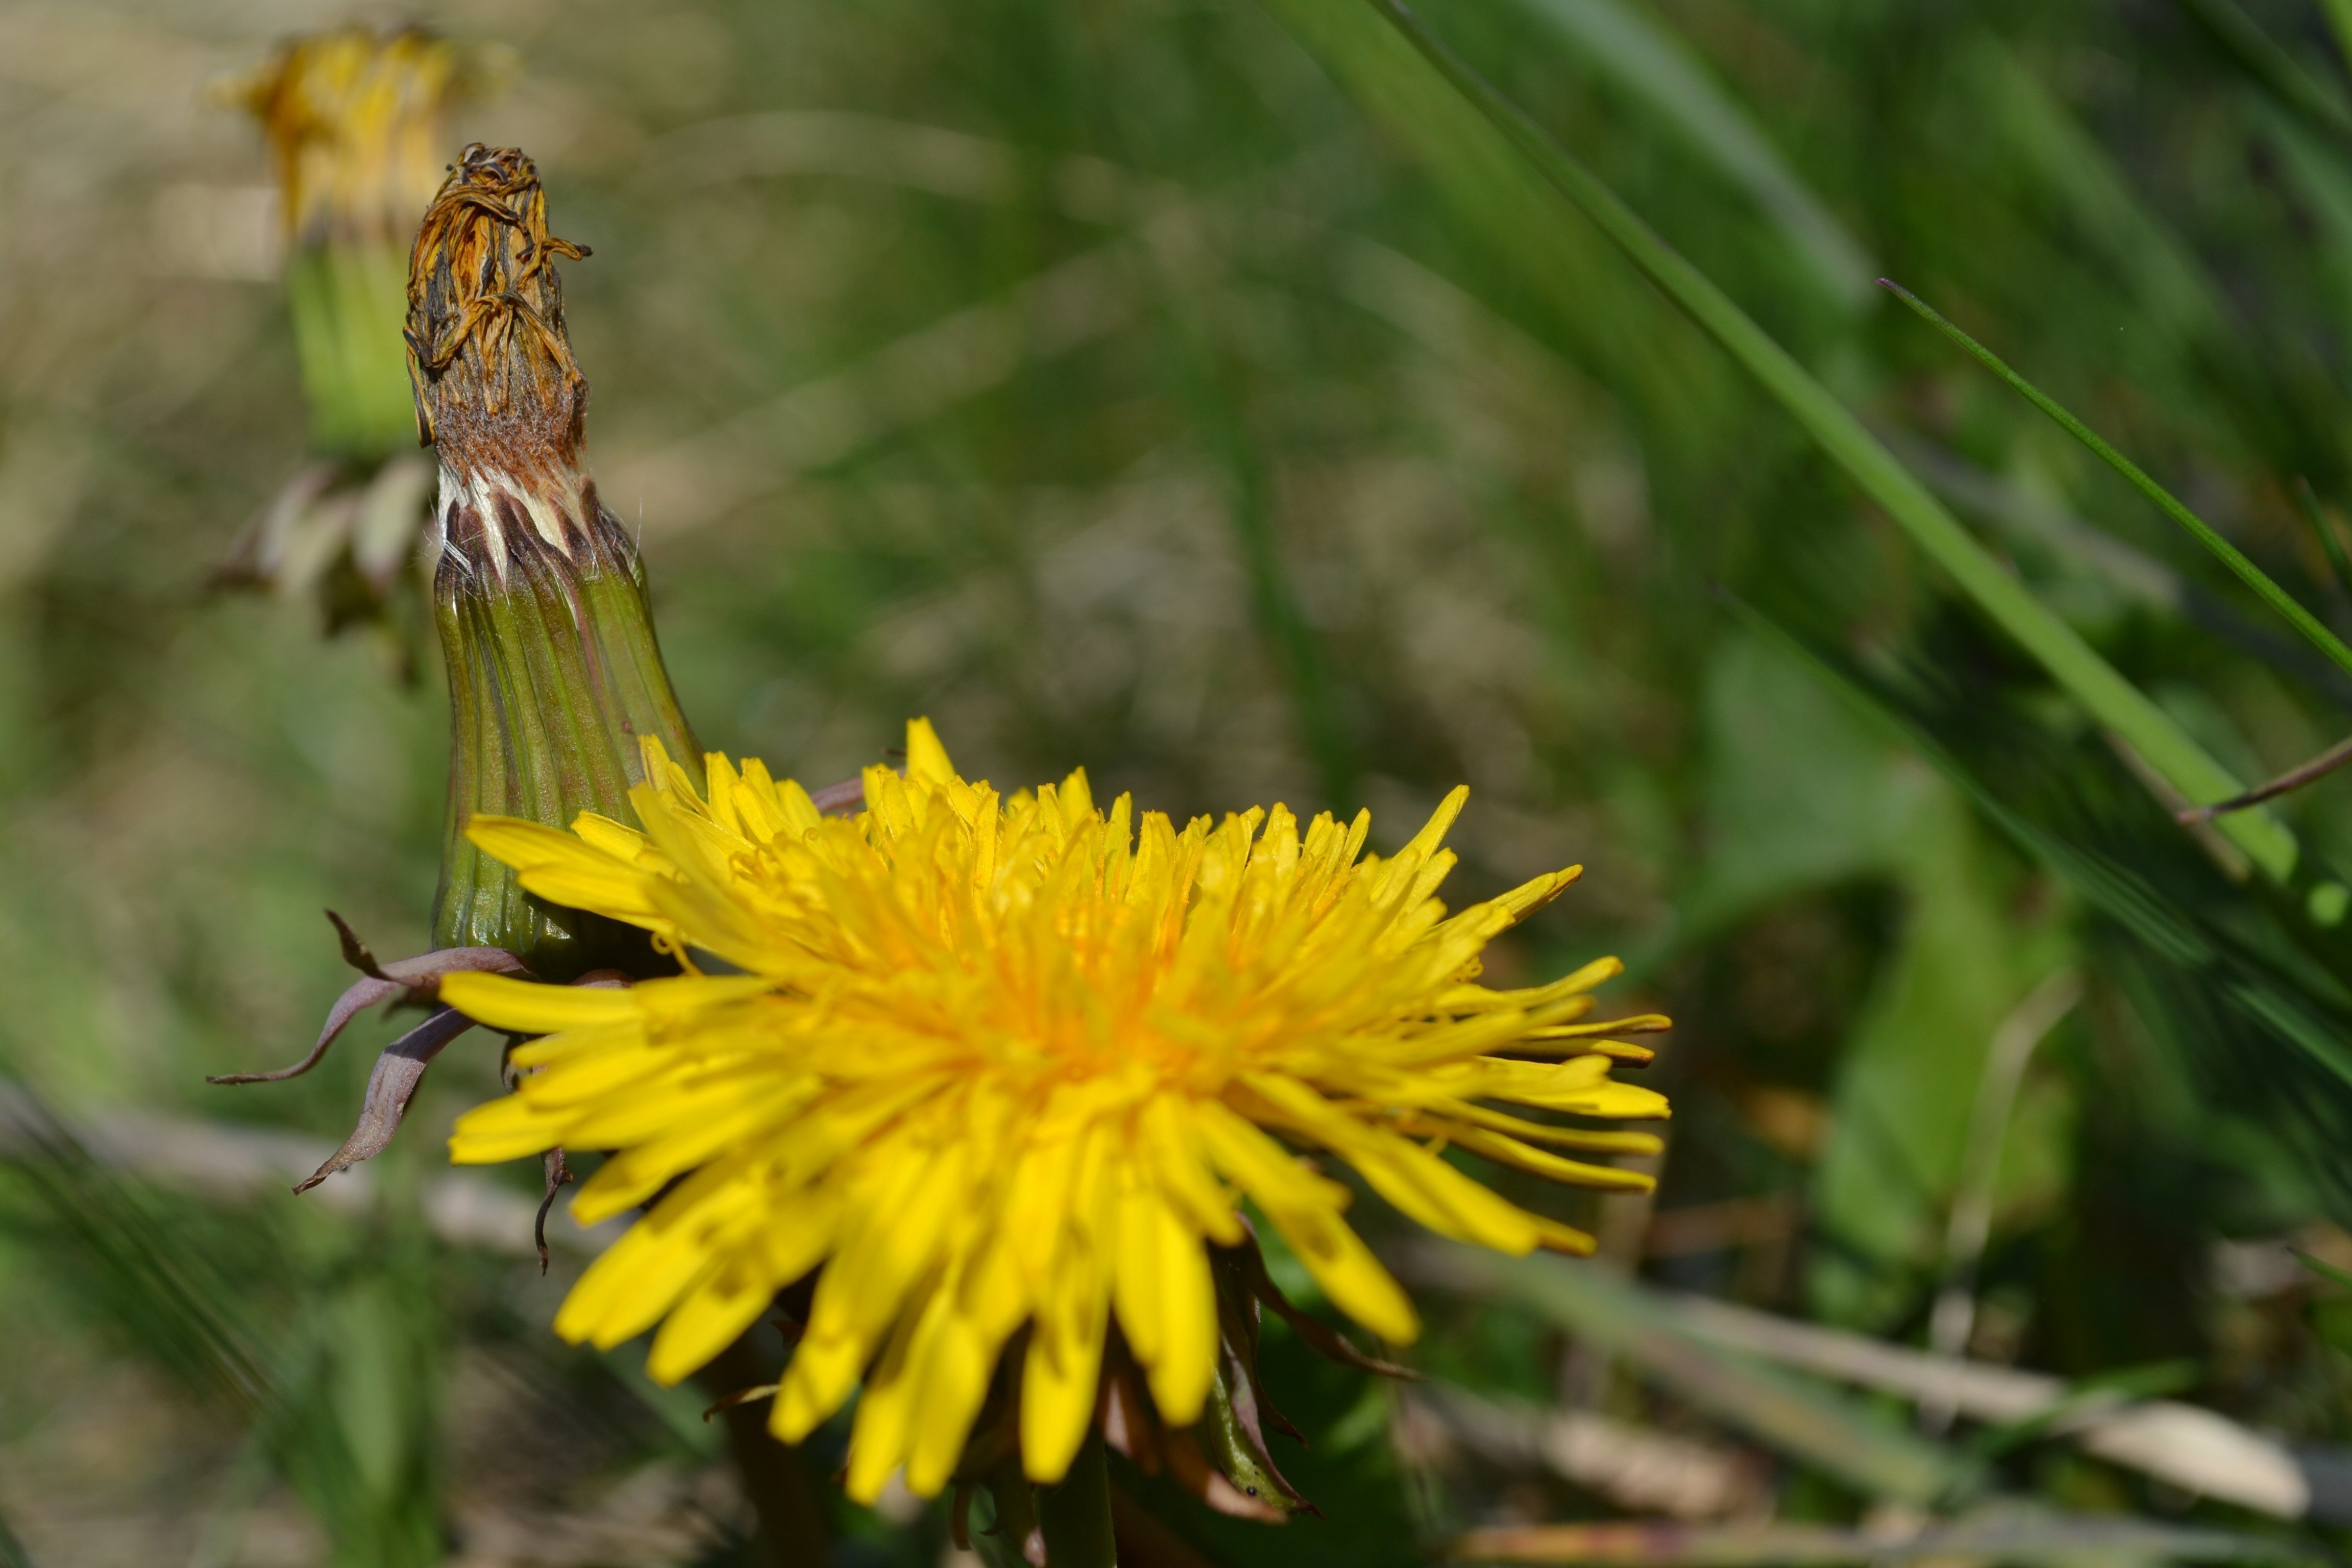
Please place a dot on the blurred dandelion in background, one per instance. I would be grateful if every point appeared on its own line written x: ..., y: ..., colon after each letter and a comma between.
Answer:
x: 356, y: 125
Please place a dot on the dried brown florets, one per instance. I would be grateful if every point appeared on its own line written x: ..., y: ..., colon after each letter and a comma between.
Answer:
x: 488, y: 358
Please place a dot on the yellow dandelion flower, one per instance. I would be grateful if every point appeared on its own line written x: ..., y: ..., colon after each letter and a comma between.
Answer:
x: 354, y: 118
x: 996, y: 1063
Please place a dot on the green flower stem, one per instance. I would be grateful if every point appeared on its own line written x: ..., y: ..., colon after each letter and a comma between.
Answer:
x: 349, y: 300
x: 1074, y: 1513
x: 2113, y: 701
x: 776, y: 1480
x: 553, y: 676
x: 1013, y: 1505
x: 2229, y: 555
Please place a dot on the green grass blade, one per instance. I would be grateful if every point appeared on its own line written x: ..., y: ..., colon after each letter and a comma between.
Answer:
x: 2097, y: 1394
x: 2032, y: 1536
x: 2325, y: 1270
x: 2340, y: 22
x: 1648, y: 61
x: 2229, y: 555
x: 2263, y: 58
x: 2039, y: 147
x: 1825, y: 1430
x: 2113, y: 701
x: 138, y: 1273
x: 2314, y: 517
x: 2241, y: 987
x: 1281, y: 619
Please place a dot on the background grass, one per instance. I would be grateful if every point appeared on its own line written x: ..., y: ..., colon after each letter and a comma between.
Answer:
x: 1130, y: 383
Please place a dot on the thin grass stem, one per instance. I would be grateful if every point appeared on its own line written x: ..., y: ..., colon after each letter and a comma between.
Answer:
x: 2294, y: 778
x: 2279, y: 73
x: 2229, y: 555
x: 2112, y: 700
x: 2331, y: 545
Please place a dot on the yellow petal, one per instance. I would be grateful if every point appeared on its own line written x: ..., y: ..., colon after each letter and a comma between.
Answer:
x: 820, y: 1377
x: 617, y: 839
x: 1171, y: 1146
x: 1350, y: 1274
x: 927, y: 759
x: 635, y: 1173
x: 877, y: 1438
x: 639, y: 1278
x: 581, y: 1044
x: 504, y: 1129
x: 1437, y: 1195
x: 1577, y: 1173
x: 1138, y: 1290
x: 1305, y: 1209
x: 895, y: 1228
x: 528, y: 1007
x: 1058, y: 1381
x: 726, y: 1301
x: 1261, y: 1166
x: 952, y: 1383
x: 622, y: 895
x: 1180, y: 1372
x: 523, y: 844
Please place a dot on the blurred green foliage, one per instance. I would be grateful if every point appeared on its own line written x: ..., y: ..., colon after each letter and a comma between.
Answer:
x: 1109, y: 385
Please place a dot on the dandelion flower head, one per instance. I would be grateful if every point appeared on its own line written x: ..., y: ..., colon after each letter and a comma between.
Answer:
x: 354, y: 122
x: 999, y: 1064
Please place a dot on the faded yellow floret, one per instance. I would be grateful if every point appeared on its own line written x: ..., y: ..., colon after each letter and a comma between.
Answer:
x: 354, y: 122
x: 1001, y: 1063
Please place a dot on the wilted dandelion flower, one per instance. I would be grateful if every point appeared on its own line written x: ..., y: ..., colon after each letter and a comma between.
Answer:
x: 547, y: 636
x: 1005, y: 1064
